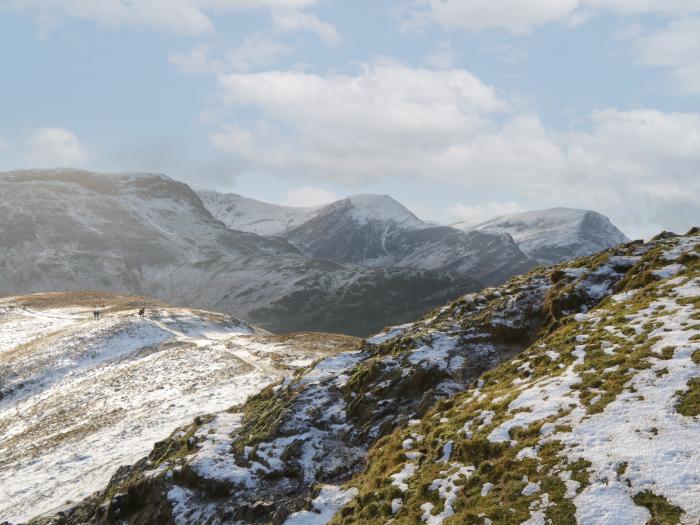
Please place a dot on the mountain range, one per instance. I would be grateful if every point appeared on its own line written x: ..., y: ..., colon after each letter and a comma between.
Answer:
x: 554, y: 235
x: 378, y: 231
x: 353, y: 266
x: 67, y: 230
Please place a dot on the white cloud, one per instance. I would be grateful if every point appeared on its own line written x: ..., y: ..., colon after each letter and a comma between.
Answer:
x: 254, y: 52
x: 195, y: 61
x: 52, y: 147
x: 518, y: 17
x: 677, y: 47
x: 446, y: 126
x: 471, y: 215
x: 4, y: 145
x: 387, y: 119
x: 309, y: 196
x: 257, y: 51
x: 294, y: 20
x: 190, y: 17
x: 515, y: 16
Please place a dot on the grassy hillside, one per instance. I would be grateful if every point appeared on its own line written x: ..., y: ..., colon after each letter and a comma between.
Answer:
x: 596, y: 422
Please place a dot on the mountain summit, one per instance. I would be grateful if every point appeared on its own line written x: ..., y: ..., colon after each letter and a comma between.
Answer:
x: 556, y: 234
x: 371, y: 207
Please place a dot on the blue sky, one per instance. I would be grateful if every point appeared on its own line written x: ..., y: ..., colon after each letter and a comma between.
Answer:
x: 460, y: 109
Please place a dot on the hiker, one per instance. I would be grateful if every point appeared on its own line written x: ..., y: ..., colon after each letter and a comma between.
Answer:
x: 95, y: 314
x: 142, y: 312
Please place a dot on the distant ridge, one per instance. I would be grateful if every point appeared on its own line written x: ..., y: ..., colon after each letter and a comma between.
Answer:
x: 555, y: 234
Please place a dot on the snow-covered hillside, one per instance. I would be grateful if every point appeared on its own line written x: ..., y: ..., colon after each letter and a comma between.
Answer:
x: 596, y: 423
x: 567, y: 395
x: 250, y: 215
x: 555, y: 235
x: 375, y: 231
x: 148, y: 234
x: 82, y: 396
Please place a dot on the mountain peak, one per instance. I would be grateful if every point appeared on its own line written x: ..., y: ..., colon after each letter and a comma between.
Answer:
x: 555, y: 234
x: 376, y: 207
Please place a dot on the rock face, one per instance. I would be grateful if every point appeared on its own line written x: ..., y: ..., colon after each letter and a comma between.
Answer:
x: 566, y: 394
x: 555, y: 235
x: 148, y: 234
x: 378, y: 232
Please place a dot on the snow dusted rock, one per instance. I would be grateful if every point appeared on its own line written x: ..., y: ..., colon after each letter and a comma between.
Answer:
x: 554, y: 235
x: 79, y: 396
x: 148, y: 234
x: 375, y: 231
x: 267, y: 460
x: 250, y: 215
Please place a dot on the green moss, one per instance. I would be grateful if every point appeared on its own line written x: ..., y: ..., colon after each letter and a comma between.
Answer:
x: 662, y: 512
x: 179, y: 444
x: 621, y: 468
x: 667, y: 352
x: 689, y: 401
x: 579, y: 472
x: 696, y: 357
x: 263, y: 413
x: 686, y: 257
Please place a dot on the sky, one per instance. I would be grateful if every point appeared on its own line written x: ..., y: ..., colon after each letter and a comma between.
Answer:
x: 460, y: 109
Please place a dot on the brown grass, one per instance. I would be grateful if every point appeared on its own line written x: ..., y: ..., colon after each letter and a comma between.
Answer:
x: 88, y: 299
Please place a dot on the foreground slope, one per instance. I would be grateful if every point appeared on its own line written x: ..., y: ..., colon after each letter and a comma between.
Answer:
x: 360, y: 430
x: 596, y: 423
x: 556, y: 234
x: 148, y: 234
x: 81, y: 396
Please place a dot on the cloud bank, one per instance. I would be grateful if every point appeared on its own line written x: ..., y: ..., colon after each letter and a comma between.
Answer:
x: 393, y: 121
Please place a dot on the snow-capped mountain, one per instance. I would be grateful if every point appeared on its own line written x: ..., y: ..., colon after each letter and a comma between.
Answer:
x: 250, y: 215
x: 80, y: 396
x: 554, y: 235
x: 148, y: 234
x: 376, y: 231
x: 566, y: 395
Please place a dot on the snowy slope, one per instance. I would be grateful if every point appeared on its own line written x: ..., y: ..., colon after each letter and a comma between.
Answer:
x: 81, y: 397
x: 370, y: 208
x: 377, y: 231
x: 555, y: 235
x: 250, y: 215
x: 567, y: 395
x: 595, y: 423
x: 148, y: 234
